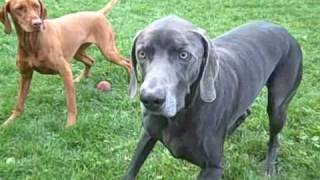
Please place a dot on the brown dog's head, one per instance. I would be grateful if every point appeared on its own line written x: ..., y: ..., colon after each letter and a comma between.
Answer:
x: 27, y: 14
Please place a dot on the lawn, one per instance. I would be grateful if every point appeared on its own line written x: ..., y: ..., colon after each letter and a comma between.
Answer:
x: 101, y: 144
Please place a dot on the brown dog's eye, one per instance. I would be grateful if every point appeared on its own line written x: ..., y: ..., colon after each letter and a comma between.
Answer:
x: 20, y: 8
x: 184, y: 55
x: 36, y: 6
x: 141, y: 54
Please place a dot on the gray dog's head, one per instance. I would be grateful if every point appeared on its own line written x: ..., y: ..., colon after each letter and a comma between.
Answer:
x: 172, y: 54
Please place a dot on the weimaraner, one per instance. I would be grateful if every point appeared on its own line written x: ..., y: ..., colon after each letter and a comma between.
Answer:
x: 196, y: 91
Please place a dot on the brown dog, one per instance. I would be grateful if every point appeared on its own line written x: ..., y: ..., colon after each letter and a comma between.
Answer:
x: 47, y: 46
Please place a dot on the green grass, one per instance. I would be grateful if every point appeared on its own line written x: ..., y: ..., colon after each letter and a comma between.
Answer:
x: 101, y: 144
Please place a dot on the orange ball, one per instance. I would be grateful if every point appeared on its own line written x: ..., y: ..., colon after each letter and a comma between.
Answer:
x: 103, y: 86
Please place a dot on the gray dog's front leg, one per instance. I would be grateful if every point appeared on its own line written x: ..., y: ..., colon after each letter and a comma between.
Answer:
x: 238, y: 122
x: 210, y: 174
x: 145, y: 145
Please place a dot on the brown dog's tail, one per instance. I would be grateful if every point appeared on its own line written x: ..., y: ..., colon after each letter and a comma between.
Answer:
x: 107, y: 8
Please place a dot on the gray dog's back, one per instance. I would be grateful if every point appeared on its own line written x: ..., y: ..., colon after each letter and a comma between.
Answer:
x: 248, y: 55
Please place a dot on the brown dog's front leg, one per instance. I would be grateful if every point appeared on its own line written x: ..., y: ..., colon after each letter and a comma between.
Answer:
x: 25, y: 81
x: 67, y: 77
x: 145, y: 145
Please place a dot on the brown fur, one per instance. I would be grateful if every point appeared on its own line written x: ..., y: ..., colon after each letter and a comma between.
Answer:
x: 49, y: 48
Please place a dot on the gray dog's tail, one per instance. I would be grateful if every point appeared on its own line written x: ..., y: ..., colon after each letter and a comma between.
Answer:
x: 107, y: 8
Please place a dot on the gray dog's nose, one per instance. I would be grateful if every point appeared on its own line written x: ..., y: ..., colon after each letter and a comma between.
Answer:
x: 152, y: 99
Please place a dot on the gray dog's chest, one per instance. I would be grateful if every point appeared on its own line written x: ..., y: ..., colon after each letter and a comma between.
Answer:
x: 179, y: 141
x: 182, y: 139
x: 184, y: 145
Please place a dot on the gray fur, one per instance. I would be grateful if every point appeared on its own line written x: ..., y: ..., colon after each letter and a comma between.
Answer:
x: 190, y: 106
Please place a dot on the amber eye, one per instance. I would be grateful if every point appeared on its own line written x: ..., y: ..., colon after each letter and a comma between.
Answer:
x: 20, y: 8
x: 184, y: 55
x: 141, y: 54
x: 36, y: 6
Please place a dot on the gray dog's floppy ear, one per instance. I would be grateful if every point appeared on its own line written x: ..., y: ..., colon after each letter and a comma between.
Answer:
x: 4, y: 18
x: 210, y: 69
x: 133, y: 86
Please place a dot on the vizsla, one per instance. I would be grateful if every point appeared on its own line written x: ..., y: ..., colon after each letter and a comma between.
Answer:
x: 47, y: 46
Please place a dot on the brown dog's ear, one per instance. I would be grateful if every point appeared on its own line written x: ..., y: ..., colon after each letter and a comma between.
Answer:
x: 210, y: 69
x: 4, y: 17
x: 133, y: 86
x: 43, y: 13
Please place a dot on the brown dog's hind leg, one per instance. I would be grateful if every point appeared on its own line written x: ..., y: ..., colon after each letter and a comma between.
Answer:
x: 25, y: 82
x: 109, y: 50
x: 85, y: 59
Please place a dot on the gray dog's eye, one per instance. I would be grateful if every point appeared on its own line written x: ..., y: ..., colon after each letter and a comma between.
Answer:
x: 141, y: 54
x: 184, y: 55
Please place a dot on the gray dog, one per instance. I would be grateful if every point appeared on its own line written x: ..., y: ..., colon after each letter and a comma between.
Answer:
x: 196, y: 91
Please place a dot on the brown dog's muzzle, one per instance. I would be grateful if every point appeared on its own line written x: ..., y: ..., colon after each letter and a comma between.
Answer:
x: 36, y: 23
